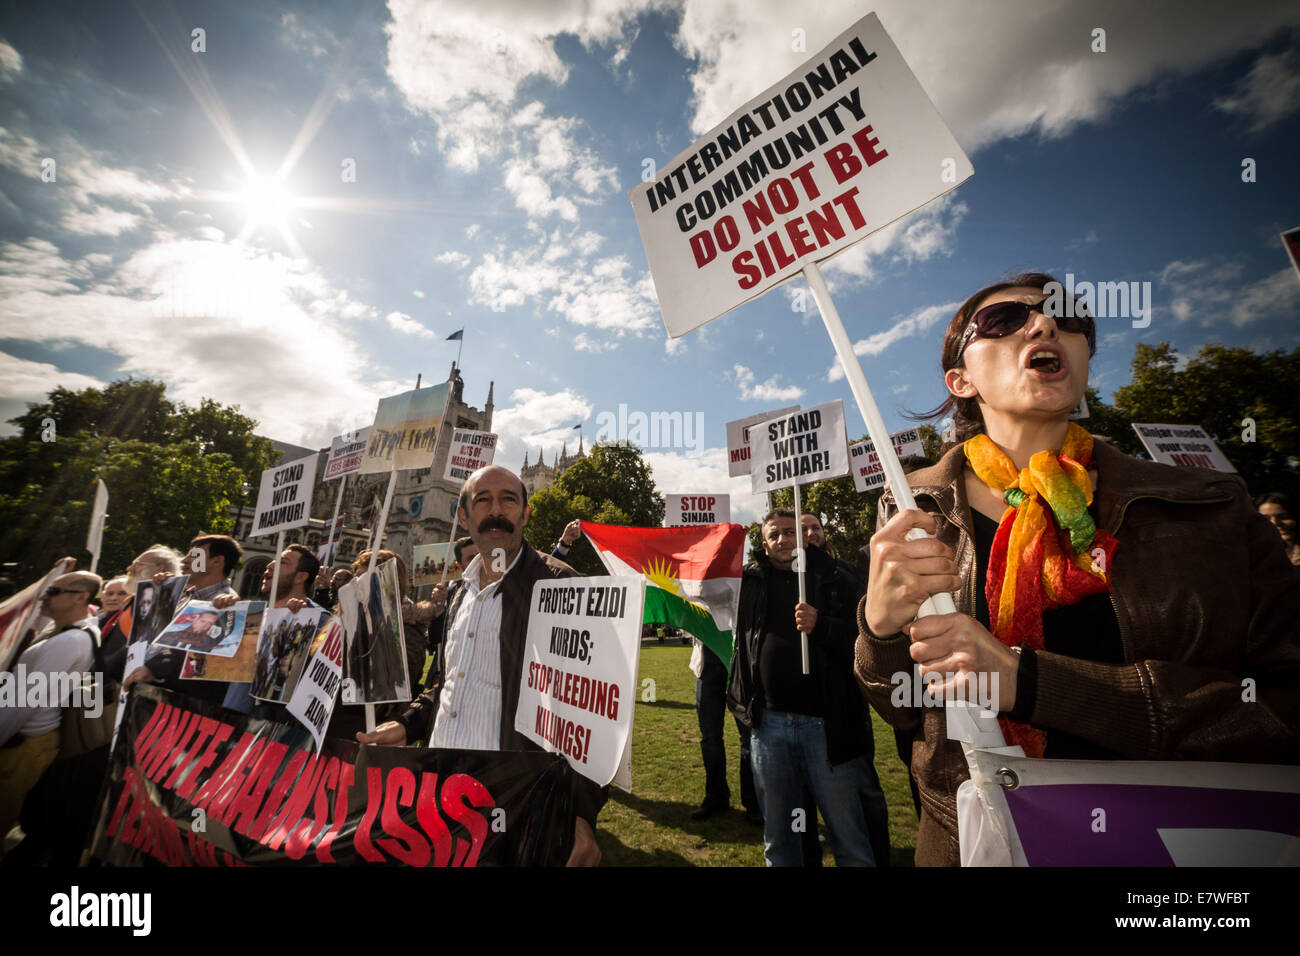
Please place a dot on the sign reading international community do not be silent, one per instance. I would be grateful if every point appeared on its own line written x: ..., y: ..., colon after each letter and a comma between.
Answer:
x: 839, y: 148
x: 284, y: 497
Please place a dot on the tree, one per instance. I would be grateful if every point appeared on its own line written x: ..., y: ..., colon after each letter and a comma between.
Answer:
x: 171, y: 473
x: 1245, y: 400
x: 612, y: 485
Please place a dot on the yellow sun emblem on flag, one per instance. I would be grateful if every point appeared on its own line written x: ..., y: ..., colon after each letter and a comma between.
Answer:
x: 660, y: 573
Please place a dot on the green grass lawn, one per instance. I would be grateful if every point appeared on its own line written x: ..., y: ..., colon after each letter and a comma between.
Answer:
x: 651, y: 826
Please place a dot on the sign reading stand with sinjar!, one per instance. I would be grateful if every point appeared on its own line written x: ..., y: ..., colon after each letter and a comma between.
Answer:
x: 806, y: 446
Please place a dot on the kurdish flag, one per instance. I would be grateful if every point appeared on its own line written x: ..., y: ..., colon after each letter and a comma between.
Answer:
x: 692, y: 574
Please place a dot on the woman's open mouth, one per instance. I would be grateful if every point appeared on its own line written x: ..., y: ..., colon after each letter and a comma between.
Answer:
x: 1045, y: 364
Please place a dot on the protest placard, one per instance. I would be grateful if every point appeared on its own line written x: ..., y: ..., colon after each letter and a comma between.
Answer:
x: 284, y: 497
x: 374, y: 646
x: 270, y: 799
x: 427, y: 563
x: 346, y: 452
x: 681, y: 510
x: 283, y: 647
x: 739, y: 460
x: 95, y: 534
x: 405, y: 432
x: 868, y: 472
x: 469, y: 451
x: 239, y: 668
x: 577, y: 690
x: 1185, y: 445
x: 806, y: 446
x: 314, y: 695
x: 204, y: 629
x: 19, y: 612
x: 836, y: 150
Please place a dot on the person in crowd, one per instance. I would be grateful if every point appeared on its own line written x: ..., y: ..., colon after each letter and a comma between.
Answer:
x: 113, y: 597
x: 873, y: 795
x: 572, y: 532
x: 1276, y: 508
x: 117, y: 631
x: 806, y: 730
x: 327, y: 586
x: 209, y: 563
x: 711, y: 711
x: 482, y: 657
x: 29, y: 727
x: 1119, y: 603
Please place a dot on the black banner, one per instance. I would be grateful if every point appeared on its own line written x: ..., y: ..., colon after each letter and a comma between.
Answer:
x: 193, y: 784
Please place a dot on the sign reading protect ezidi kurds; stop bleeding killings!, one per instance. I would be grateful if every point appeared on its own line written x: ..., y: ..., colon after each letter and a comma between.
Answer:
x: 577, y: 690
x: 841, y: 147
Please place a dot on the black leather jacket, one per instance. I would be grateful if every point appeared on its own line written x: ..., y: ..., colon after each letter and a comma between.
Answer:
x: 834, y: 593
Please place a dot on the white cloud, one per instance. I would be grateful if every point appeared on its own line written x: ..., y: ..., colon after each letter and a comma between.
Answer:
x: 744, y: 46
x: 769, y: 391
x: 1270, y: 92
x: 918, y: 322
x: 919, y: 236
x: 582, y: 342
x: 211, y: 319
x: 537, y: 420
x: 99, y: 221
x: 676, y: 473
x: 1212, y: 291
x: 28, y: 381
x: 452, y: 258
x: 11, y: 62
x: 404, y: 323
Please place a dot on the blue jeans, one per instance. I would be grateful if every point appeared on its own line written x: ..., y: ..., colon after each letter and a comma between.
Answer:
x: 789, y: 754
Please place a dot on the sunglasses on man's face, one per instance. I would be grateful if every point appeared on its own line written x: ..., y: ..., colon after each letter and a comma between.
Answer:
x: 1003, y: 318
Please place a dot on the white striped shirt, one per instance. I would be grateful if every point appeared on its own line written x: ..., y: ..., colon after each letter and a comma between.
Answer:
x: 469, y: 707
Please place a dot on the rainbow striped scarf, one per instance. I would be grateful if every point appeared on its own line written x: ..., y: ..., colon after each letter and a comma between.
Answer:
x: 1047, y: 553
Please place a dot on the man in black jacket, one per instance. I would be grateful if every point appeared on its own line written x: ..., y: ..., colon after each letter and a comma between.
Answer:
x: 481, y: 655
x: 807, y: 730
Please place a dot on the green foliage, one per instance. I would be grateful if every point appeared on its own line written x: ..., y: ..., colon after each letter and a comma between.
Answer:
x: 1218, y: 389
x: 612, y: 485
x: 171, y: 472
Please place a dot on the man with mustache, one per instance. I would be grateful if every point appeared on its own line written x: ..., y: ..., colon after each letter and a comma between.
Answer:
x: 481, y: 656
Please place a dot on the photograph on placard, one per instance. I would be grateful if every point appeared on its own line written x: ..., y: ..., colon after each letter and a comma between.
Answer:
x: 239, y: 668
x: 142, y: 616
x: 204, y: 629
x: 405, y: 431
x: 427, y: 562
x: 374, y: 649
x: 169, y: 600
x: 283, y: 647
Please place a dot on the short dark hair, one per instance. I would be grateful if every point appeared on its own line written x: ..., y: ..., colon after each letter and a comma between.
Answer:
x: 779, y: 513
x: 221, y: 546
x: 306, y: 562
x: 461, y: 545
x: 1274, y: 498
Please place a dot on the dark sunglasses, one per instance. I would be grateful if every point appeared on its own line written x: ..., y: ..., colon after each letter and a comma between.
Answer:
x: 1003, y: 318
x: 55, y: 592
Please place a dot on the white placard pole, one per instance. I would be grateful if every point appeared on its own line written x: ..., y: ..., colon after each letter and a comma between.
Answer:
x: 338, y: 502
x: 937, y: 603
x: 446, y: 559
x: 374, y: 559
x: 275, y: 570
x: 803, y: 597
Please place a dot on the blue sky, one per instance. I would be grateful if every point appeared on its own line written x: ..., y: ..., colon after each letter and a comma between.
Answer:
x: 494, y: 146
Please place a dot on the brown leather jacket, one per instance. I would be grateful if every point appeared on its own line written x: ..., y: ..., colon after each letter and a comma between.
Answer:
x: 1204, y: 596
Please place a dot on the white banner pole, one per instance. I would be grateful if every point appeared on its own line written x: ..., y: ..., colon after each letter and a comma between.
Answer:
x: 374, y: 559
x: 338, y: 502
x: 275, y: 568
x: 450, y: 541
x: 964, y: 723
x: 803, y: 597
x: 942, y: 602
